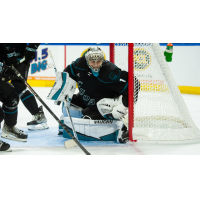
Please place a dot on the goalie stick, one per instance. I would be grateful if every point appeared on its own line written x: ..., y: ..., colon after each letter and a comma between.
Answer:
x: 55, y: 117
x: 68, y: 143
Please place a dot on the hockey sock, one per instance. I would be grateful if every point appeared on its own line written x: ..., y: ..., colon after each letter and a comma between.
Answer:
x: 10, y: 109
x: 30, y: 102
x: 10, y: 115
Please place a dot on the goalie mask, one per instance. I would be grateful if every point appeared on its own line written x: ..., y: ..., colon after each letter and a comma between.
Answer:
x: 94, y: 58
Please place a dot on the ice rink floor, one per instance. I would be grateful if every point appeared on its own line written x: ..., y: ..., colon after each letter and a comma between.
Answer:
x: 48, y: 142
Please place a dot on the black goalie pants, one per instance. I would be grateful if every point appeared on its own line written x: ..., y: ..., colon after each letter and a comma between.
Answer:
x: 87, y: 113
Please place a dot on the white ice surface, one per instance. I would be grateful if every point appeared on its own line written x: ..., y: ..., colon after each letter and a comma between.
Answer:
x: 49, y: 143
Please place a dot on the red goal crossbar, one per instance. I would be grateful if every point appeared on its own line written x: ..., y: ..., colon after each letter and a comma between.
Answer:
x: 130, y: 84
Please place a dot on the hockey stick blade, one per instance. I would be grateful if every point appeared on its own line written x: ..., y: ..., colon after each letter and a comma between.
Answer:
x: 70, y: 144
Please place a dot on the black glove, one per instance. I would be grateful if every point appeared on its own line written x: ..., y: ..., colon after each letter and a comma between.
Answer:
x: 10, y: 57
x: 30, y: 51
x: 6, y: 72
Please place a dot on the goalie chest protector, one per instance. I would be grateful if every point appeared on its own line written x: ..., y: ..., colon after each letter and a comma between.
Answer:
x: 108, y: 84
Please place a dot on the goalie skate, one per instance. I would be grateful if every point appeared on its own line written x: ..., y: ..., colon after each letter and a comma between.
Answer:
x: 39, y: 121
x: 4, y: 146
x: 13, y: 133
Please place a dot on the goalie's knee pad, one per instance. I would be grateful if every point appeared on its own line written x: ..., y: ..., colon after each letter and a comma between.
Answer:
x: 74, y: 111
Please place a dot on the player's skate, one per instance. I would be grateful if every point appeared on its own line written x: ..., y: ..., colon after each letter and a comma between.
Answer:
x: 4, y: 146
x: 39, y: 121
x: 122, y: 136
x: 13, y: 133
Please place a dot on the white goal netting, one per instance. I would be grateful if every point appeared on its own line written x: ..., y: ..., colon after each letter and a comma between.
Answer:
x: 160, y: 113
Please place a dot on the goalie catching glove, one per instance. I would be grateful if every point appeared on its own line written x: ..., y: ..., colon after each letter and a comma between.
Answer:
x: 112, y: 108
x: 63, y: 86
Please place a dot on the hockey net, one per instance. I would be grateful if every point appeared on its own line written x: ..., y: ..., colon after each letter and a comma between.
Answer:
x: 160, y: 114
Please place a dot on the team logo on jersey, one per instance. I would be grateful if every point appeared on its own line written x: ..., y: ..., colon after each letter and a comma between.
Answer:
x: 86, y: 98
x: 142, y: 59
x: 113, y: 76
x: 78, y: 74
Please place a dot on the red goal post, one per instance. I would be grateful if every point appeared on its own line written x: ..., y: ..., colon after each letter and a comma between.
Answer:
x: 130, y: 69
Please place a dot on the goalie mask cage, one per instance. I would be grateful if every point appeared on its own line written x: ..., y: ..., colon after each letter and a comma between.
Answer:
x: 160, y: 114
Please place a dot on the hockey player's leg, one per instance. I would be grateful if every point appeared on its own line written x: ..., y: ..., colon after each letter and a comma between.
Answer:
x: 39, y: 121
x: 3, y: 145
x: 9, y: 131
x: 25, y: 95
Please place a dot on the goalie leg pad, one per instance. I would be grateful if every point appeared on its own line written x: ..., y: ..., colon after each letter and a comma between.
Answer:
x: 75, y: 107
x: 74, y: 113
x: 92, y: 130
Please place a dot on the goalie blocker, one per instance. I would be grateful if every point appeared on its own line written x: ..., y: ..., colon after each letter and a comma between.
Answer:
x: 63, y: 86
